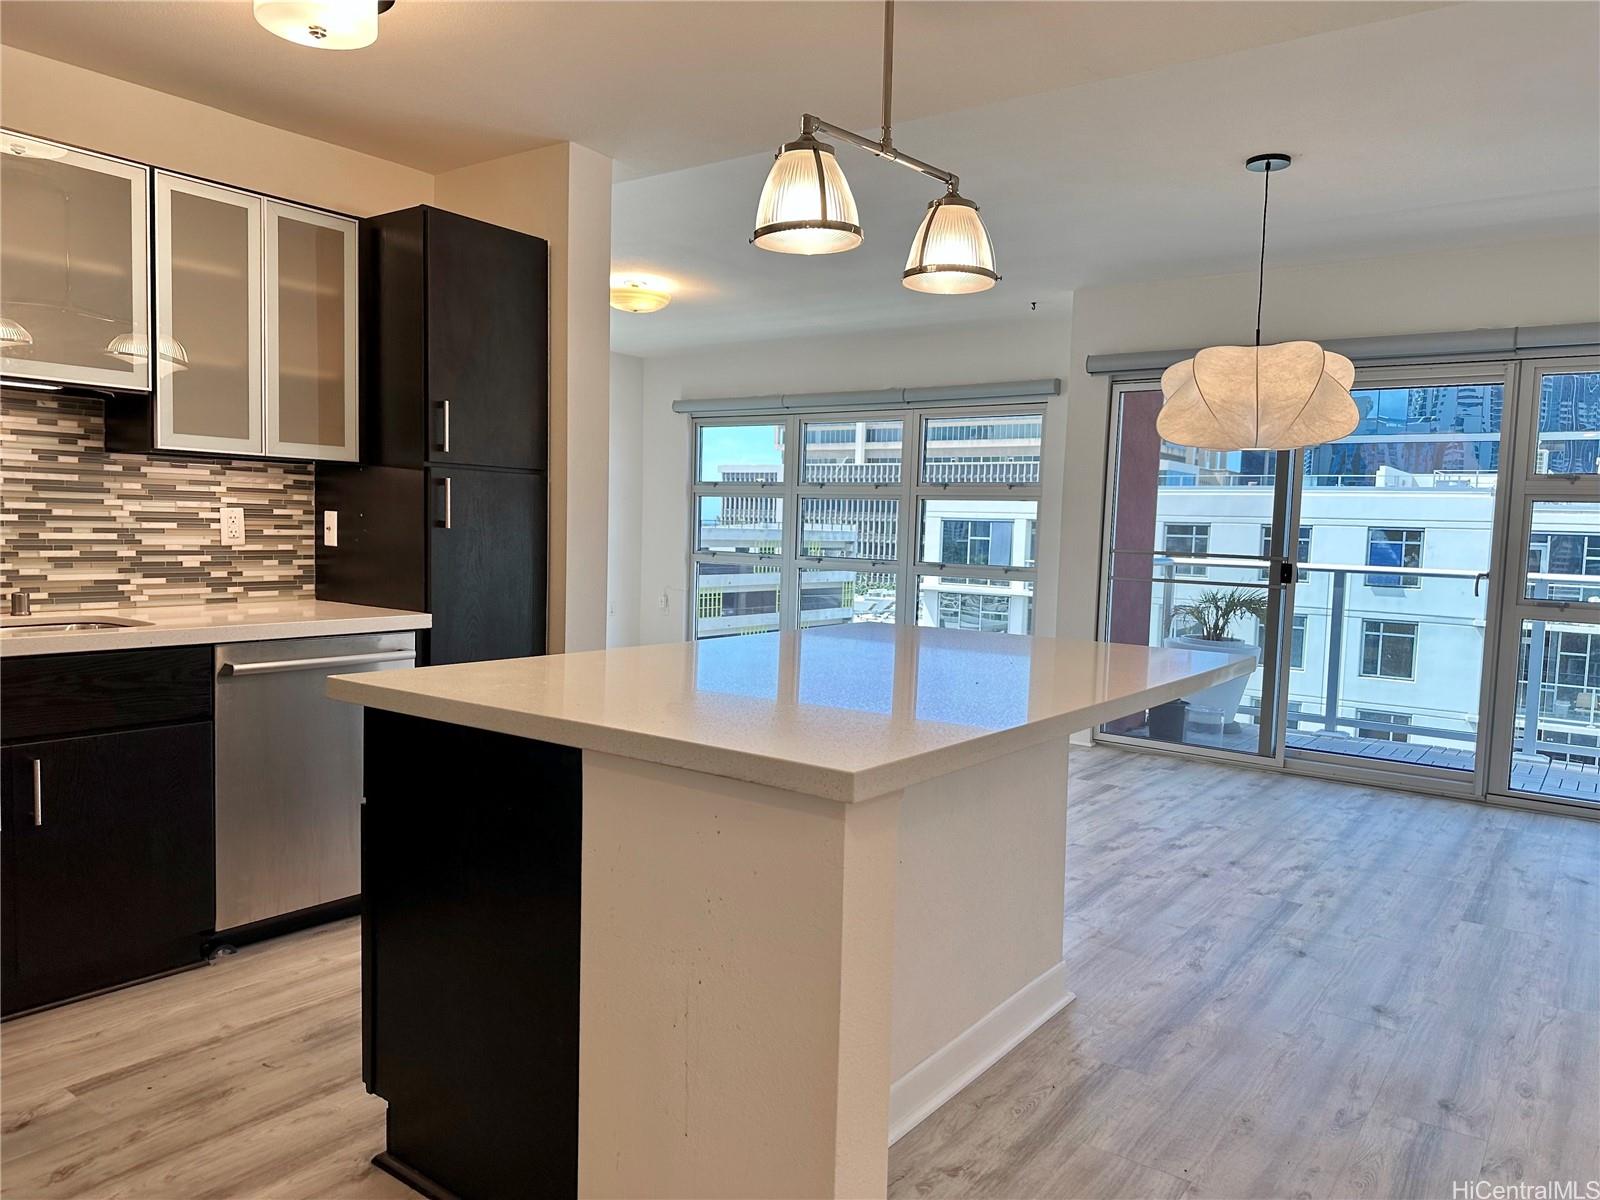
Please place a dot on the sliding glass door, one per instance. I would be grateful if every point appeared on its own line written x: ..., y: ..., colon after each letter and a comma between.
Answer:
x: 1421, y: 598
x: 1396, y: 528
x: 1548, y: 740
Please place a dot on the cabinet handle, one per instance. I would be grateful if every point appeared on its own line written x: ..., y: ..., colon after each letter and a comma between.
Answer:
x: 38, y: 792
x: 445, y: 482
x: 444, y: 445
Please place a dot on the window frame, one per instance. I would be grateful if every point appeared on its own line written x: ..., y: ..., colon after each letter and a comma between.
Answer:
x: 1368, y: 631
x: 1188, y: 570
x: 910, y: 491
x: 1402, y: 580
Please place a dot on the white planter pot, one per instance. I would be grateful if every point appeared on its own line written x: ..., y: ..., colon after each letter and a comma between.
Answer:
x: 1216, y: 705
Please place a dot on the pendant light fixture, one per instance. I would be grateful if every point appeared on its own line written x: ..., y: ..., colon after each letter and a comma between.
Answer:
x: 323, y: 24
x: 1280, y: 397
x: 12, y: 334
x: 806, y: 206
x: 135, y: 348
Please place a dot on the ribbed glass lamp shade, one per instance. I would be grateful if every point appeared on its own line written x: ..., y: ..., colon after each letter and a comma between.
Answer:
x: 806, y: 206
x: 135, y: 348
x: 1280, y: 397
x: 325, y: 24
x: 951, y: 254
x: 12, y: 334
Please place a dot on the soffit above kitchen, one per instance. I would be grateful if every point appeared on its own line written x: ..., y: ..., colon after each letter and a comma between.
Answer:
x: 657, y: 86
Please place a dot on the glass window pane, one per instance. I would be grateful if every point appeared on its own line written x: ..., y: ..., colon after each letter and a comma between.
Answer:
x: 311, y: 333
x: 1556, y: 740
x: 849, y: 527
x: 741, y: 453
x: 981, y: 449
x: 860, y: 452
x: 984, y: 605
x: 732, y: 598
x: 1176, y: 501
x: 1564, y: 552
x: 209, y: 314
x: 1569, y: 424
x: 1390, y: 547
x: 833, y: 597
x: 739, y: 524
x: 987, y: 533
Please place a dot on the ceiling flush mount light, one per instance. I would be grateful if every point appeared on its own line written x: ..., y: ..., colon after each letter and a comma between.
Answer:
x: 21, y: 147
x: 638, y: 294
x: 806, y: 206
x: 324, y: 24
x: 1280, y: 397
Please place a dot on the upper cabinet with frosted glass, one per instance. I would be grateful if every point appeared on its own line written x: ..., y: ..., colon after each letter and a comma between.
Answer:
x: 256, y: 323
x: 74, y: 266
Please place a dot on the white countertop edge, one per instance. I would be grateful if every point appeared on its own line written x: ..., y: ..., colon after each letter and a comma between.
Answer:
x: 146, y: 637
x: 811, y: 779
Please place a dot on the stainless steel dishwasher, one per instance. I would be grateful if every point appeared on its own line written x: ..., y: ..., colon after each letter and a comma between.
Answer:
x: 288, y: 764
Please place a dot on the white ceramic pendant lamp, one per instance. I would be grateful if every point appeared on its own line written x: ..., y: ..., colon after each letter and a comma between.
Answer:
x: 806, y: 206
x: 1279, y: 397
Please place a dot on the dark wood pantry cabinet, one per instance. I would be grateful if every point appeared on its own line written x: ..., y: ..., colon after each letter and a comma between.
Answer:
x: 457, y: 328
x: 447, y: 512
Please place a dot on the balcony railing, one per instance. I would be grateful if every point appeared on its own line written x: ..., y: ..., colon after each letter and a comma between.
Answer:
x: 1436, y: 668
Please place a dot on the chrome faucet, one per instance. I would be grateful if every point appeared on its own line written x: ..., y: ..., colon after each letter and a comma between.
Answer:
x: 21, y: 606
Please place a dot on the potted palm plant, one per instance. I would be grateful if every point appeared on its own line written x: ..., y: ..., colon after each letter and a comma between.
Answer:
x: 1206, y: 623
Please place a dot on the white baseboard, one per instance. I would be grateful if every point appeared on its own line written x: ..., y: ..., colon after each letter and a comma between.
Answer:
x: 917, y: 1093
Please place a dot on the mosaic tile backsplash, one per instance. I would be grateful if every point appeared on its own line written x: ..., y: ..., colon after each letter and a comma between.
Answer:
x: 81, y: 528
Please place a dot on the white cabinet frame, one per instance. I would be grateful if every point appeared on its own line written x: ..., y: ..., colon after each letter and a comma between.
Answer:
x: 138, y: 178
x: 166, y: 438
x: 274, y: 212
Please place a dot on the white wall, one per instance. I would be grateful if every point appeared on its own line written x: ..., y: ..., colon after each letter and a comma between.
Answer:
x: 1545, y: 282
x: 1034, y: 348
x: 627, y: 458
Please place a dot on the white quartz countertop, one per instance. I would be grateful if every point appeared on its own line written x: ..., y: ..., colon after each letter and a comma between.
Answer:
x: 845, y: 712
x: 201, y: 625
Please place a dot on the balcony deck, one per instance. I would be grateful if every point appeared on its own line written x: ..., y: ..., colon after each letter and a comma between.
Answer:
x: 1566, y: 781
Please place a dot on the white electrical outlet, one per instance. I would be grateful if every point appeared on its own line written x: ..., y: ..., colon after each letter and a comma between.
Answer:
x: 330, y: 527
x: 232, y: 526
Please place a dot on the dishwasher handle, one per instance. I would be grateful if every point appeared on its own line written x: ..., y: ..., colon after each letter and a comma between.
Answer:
x: 315, y: 664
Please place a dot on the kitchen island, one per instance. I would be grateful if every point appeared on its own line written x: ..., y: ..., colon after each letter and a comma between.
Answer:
x: 720, y: 918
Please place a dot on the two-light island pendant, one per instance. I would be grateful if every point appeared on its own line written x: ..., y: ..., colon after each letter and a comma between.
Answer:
x: 806, y: 206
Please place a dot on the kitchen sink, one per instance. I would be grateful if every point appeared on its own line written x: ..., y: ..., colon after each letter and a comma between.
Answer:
x: 65, y: 623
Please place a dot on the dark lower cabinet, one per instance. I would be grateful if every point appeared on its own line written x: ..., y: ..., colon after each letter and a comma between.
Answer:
x: 466, y: 544
x: 486, y: 566
x: 107, y: 848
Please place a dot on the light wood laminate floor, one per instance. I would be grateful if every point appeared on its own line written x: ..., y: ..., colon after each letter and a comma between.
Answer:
x: 1285, y: 988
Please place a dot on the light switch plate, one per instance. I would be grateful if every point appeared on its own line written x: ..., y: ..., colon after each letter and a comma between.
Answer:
x: 330, y: 527
x: 232, y: 526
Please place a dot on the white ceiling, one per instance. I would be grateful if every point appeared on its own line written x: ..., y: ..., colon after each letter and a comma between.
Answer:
x: 1452, y: 127
x: 657, y: 85
x: 1101, y: 138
